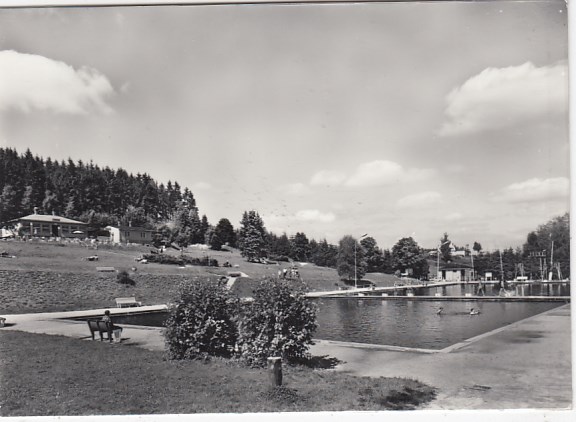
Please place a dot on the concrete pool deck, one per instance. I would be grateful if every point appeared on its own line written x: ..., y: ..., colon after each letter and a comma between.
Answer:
x: 524, y: 365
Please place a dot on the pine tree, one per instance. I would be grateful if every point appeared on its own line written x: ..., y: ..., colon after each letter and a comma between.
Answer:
x: 252, y: 242
x: 300, y: 247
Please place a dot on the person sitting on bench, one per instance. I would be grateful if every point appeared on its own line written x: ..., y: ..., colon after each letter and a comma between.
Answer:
x: 115, y: 328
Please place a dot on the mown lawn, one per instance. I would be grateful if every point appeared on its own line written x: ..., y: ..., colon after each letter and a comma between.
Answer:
x: 53, y: 375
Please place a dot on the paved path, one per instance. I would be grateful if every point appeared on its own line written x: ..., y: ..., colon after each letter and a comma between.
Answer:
x: 57, y: 324
x: 524, y: 365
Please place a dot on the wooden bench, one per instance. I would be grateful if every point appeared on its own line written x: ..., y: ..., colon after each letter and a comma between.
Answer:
x: 128, y: 302
x: 96, y: 325
x: 105, y: 269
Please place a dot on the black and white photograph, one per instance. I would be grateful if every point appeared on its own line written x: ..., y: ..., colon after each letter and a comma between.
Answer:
x: 261, y: 208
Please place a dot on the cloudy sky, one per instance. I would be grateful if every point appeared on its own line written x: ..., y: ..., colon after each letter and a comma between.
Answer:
x: 394, y: 119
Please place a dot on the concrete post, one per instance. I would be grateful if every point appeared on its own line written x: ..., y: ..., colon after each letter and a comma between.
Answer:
x: 275, y: 371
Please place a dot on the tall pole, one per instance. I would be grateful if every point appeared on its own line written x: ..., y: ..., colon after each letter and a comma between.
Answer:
x: 472, y: 260
x: 501, y: 268
x: 551, y: 261
x: 355, y: 268
x: 438, y: 263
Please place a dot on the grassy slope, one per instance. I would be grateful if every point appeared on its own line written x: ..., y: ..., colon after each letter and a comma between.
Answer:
x: 52, y: 375
x: 46, y: 276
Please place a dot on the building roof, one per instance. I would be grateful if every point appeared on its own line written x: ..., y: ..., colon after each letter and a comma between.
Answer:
x: 455, y: 266
x: 130, y: 228
x: 42, y: 218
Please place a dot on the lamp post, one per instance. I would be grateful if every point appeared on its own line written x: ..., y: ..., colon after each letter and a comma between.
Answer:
x: 355, y: 268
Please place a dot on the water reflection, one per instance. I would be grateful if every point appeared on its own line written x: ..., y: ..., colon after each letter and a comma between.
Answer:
x: 415, y: 323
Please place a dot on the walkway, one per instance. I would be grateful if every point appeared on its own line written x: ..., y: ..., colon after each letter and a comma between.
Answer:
x: 524, y: 365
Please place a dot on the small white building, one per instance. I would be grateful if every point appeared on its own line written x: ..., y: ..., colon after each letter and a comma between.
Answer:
x: 458, y: 273
x: 127, y: 234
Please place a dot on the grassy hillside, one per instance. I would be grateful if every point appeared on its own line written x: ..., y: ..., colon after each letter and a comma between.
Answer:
x: 48, y: 276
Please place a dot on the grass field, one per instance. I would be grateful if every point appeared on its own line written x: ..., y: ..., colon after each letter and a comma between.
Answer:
x: 51, y: 375
x: 50, y: 276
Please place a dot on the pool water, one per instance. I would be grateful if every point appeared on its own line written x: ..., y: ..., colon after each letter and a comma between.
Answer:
x: 415, y: 324
x: 406, y: 323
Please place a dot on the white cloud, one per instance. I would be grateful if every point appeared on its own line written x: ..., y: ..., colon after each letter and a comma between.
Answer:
x: 373, y: 173
x: 315, y: 215
x: 419, y: 200
x: 32, y: 82
x: 296, y: 189
x: 327, y: 177
x: 498, y: 98
x: 535, y: 190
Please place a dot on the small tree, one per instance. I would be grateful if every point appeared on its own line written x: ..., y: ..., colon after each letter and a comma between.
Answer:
x: 373, y: 255
x: 279, y: 322
x: 252, y: 239
x: 445, y: 251
x: 477, y: 247
x: 407, y: 254
x: 202, y: 323
x: 350, y: 261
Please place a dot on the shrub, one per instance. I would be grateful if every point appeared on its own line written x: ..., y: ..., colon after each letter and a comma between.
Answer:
x: 124, y: 278
x: 180, y: 260
x: 278, y: 322
x: 202, y: 323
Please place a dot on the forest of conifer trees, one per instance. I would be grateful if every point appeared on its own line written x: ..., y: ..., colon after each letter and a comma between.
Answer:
x: 84, y: 190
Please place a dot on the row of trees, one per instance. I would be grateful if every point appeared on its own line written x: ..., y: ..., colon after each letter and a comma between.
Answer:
x: 102, y: 197
x: 353, y: 258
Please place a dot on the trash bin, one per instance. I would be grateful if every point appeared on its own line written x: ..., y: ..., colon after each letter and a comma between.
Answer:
x: 117, y: 336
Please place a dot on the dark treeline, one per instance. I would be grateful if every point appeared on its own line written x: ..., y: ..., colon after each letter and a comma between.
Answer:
x: 84, y: 191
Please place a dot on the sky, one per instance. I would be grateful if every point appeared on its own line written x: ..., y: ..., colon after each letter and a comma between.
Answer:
x: 386, y: 119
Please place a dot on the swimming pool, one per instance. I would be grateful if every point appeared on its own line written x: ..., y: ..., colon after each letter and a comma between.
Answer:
x: 414, y: 323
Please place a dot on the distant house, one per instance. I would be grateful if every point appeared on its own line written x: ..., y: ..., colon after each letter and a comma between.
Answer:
x: 40, y: 225
x: 127, y: 234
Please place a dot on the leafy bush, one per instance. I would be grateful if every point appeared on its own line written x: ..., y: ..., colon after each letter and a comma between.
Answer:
x: 278, y: 322
x: 180, y: 260
x: 124, y: 278
x: 202, y: 323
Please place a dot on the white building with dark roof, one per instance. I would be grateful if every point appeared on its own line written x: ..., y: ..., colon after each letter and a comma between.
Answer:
x: 41, y: 225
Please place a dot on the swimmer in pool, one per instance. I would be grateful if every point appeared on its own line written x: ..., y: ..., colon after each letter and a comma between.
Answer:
x: 439, y: 311
x: 474, y: 312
